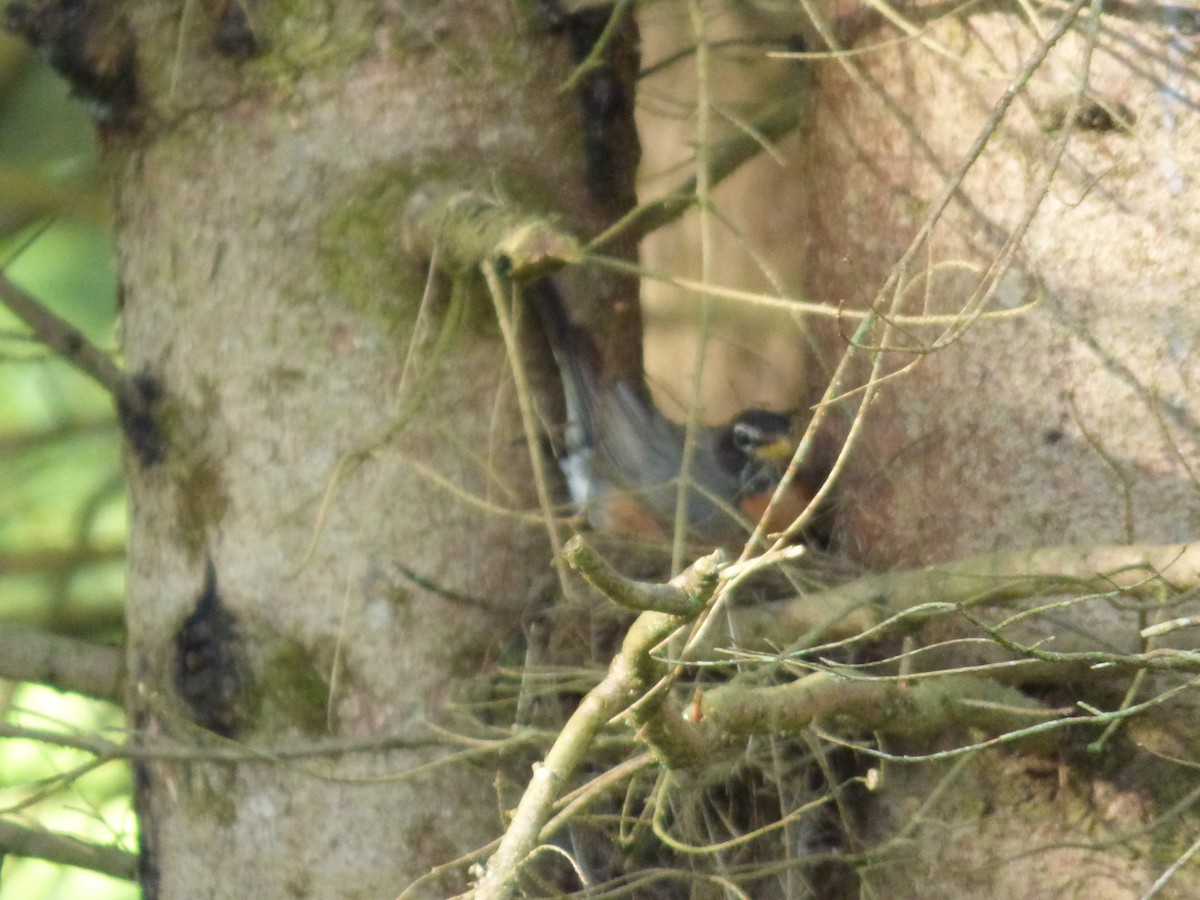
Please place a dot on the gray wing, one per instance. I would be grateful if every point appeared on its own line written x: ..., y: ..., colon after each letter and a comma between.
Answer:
x: 646, y: 448
x: 616, y: 437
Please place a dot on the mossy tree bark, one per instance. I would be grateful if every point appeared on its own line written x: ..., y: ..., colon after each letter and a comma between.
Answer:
x: 323, y: 452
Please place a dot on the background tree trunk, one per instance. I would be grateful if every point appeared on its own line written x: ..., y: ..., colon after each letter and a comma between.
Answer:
x: 1075, y: 420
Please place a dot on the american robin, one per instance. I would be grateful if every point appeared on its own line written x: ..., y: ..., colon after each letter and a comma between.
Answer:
x: 622, y: 457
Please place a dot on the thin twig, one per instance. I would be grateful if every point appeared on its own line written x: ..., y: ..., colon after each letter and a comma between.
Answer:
x: 502, y: 293
x: 69, y: 342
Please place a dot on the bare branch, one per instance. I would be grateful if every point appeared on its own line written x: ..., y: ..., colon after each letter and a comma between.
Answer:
x: 921, y: 709
x: 167, y: 750
x: 630, y: 677
x: 684, y: 595
x: 69, y: 342
x: 67, y: 851
x: 55, y: 561
x: 990, y: 578
x: 723, y: 159
x: 67, y: 664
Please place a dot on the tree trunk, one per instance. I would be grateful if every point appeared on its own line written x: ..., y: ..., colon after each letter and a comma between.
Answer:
x: 334, y: 526
x: 1073, y: 419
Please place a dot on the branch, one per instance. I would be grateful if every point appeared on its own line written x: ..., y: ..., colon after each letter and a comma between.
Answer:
x: 1158, y: 659
x: 69, y: 342
x: 921, y: 708
x: 684, y: 595
x: 134, y: 396
x: 992, y: 578
x: 37, y: 438
x: 723, y: 158
x: 67, y: 851
x: 64, y: 663
x: 468, y: 227
x: 632, y: 673
x: 608, y: 699
x: 218, y: 751
x: 72, y: 620
x: 54, y: 561
x: 913, y: 707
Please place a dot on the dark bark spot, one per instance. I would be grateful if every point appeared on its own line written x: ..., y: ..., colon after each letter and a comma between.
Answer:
x: 1098, y: 115
x: 211, y: 670
x: 232, y: 35
x: 90, y: 45
x: 1108, y: 117
x: 139, y: 423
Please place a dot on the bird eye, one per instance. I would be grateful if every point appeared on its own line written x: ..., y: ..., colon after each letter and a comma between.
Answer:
x: 746, y: 437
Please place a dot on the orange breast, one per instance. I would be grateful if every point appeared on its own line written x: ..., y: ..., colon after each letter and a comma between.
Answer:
x: 622, y: 514
x: 793, y: 502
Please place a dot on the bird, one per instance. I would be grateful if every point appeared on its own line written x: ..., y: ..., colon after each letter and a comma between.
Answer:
x: 621, y: 457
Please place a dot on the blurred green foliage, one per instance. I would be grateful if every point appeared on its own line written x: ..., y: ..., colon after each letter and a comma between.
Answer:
x: 62, y: 496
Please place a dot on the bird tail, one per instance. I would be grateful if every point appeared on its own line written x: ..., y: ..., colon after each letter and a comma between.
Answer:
x: 578, y: 361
